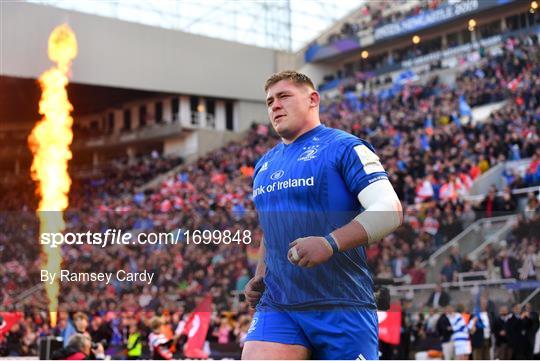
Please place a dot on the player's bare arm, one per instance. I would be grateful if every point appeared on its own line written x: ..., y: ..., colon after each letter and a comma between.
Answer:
x: 382, y: 215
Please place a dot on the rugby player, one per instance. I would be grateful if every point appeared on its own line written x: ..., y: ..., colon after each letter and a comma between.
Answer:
x: 322, y: 195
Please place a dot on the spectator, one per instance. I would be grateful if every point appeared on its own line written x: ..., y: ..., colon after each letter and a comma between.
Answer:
x: 399, y: 265
x: 467, y: 217
x: 530, y: 260
x: 445, y: 331
x: 13, y: 341
x: 532, y: 206
x: 158, y: 342
x: 242, y: 280
x: 516, y: 333
x: 530, y: 326
x: 501, y: 330
x: 507, y: 264
x: 224, y: 331
x: 79, y: 347
x: 439, y: 298
x: 417, y: 273
x: 448, y: 271
x: 456, y: 258
x: 432, y: 319
x: 134, y: 343
x: 508, y: 204
x: 490, y: 204
x: 532, y: 176
x: 480, y: 326
x: 460, y: 334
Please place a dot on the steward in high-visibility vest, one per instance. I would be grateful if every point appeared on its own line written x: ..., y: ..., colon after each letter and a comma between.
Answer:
x: 134, y: 344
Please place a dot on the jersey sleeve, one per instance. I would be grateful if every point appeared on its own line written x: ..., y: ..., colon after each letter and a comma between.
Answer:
x: 358, y: 164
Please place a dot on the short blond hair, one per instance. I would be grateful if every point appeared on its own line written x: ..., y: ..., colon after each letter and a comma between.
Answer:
x: 156, y: 323
x: 291, y: 75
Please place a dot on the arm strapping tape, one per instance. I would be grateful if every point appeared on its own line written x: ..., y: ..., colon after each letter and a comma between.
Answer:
x: 383, y: 212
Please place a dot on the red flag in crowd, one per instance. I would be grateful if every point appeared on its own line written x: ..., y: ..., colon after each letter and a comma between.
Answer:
x: 390, y: 324
x: 196, y: 329
x: 514, y: 84
x: 7, y: 321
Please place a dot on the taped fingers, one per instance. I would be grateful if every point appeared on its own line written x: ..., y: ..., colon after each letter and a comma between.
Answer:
x: 293, y: 243
x: 294, y: 255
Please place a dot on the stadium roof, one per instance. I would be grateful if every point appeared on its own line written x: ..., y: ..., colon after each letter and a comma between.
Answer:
x: 277, y: 24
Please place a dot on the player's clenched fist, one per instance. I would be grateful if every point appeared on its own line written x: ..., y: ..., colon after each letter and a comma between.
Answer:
x: 254, y: 290
x: 309, y: 251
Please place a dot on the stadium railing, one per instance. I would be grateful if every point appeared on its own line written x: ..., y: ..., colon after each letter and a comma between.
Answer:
x: 517, y: 192
x: 472, y: 276
x: 461, y: 292
x: 21, y: 297
x: 497, y: 236
x: 472, y: 239
x: 448, y: 285
x: 530, y: 297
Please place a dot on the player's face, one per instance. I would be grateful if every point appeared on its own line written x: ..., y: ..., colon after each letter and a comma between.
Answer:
x: 288, y: 108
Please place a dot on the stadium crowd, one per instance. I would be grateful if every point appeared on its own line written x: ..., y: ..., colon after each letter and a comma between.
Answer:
x: 430, y: 150
x: 380, y: 13
x: 433, y: 156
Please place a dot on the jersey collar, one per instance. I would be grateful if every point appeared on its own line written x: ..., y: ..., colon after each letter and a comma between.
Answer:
x: 306, y: 135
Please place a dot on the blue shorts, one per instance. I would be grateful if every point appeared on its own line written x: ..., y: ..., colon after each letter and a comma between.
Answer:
x: 344, y: 333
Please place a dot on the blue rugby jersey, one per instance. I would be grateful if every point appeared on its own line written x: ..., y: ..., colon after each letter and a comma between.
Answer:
x: 310, y: 188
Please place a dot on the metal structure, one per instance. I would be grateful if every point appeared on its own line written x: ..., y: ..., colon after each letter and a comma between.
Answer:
x: 278, y: 24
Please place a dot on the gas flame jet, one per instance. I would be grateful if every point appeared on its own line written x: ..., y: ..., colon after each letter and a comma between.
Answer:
x: 49, y: 142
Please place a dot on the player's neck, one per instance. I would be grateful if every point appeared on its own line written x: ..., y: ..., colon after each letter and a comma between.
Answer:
x: 307, y: 128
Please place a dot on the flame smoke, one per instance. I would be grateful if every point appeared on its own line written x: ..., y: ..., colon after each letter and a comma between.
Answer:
x: 49, y: 141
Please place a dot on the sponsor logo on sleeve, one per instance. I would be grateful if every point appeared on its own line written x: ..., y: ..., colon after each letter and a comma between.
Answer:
x: 369, y: 160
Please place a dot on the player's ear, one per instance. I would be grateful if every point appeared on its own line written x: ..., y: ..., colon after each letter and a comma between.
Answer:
x: 314, y: 99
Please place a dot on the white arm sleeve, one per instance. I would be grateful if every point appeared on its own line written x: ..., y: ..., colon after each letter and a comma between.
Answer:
x: 383, y: 212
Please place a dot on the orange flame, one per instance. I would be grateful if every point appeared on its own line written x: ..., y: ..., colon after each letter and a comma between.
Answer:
x: 49, y: 142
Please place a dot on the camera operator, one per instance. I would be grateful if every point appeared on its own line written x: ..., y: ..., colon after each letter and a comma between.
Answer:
x: 80, y: 323
x: 79, y: 347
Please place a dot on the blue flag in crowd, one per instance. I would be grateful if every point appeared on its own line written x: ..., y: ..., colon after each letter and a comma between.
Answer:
x: 455, y: 119
x: 464, y: 108
x: 406, y: 77
x: 402, y: 79
x: 479, y: 73
x: 352, y: 101
x: 425, y: 142
x: 428, y: 123
x: 397, y: 140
